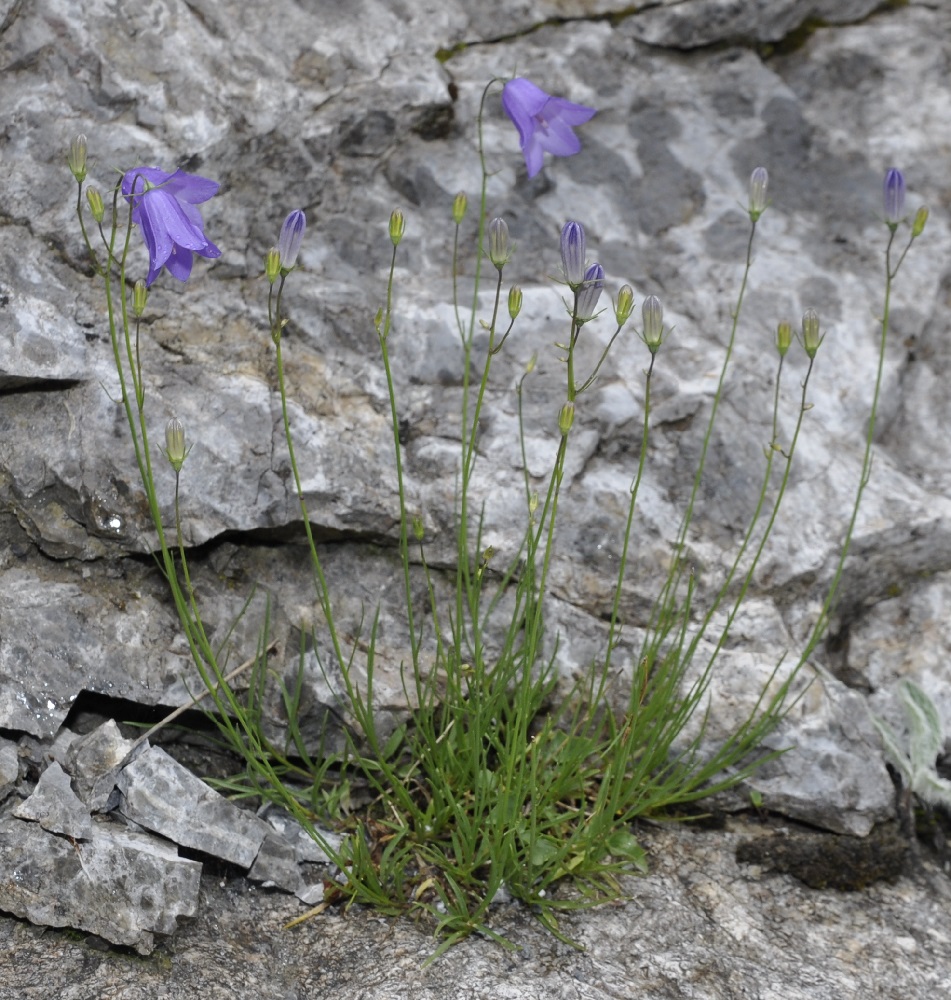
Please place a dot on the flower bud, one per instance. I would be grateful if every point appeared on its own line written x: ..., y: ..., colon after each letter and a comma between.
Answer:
x: 624, y: 305
x: 652, y: 313
x: 175, y: 443
x: 572, y: 254
x: 759, y: 181
x: 76, y: 158
x: 272, y: 264
x: 515, y: 301
x: 499, y: 252
x: 292, y: 234
x: 459, y: 205
x: 566, y: 418
x: 397, y: 226
x: 918, y: 226
x: 783, y: 338
x: 418, y: 529
x: 95, y: 204
x: 894, y: 197
x: 586, y: 297
x: 140, y: 295
x: 810, y: 332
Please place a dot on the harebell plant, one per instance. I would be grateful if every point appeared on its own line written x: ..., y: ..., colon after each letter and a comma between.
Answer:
x: 492, y: 787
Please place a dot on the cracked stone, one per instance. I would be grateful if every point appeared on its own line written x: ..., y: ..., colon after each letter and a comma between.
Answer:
x: 123, y: 886
x: 55, y: 806
x: 94, y: 761
x: 9, y: 767
x: 161, y: 795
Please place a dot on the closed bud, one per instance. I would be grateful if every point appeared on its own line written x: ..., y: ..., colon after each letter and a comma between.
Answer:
x: 533, y: 503
x: 499, y: 252
x: 140, y: 295
x: 76, y: 158
x: 894, y: 197
x: 95, y: 204
x: 397, y: 226
x: 175, y: 444
x: 459, y: 205
x: 759, y: 182
x: 292, y: 235
x: 624, y: 305
x: 272, y: 264
x: 572, y: 254
x: 918, y: 226
x: 783, y: 338
x: 586, y: 298
x: 652, y: 313
x: 418, y: 529
x: 515, y: 301
x: 810, y: 332
x: 566, y: 418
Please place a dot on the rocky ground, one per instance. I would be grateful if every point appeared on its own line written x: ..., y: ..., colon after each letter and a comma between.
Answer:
x: 699, y: 926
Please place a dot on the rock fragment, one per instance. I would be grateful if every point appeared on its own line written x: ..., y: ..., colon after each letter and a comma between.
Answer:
x: 161, y: 795
x: 123, y: 886
x: 55, y: 806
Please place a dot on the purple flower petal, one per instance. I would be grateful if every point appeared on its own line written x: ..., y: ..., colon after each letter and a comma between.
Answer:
x: 179, y: 263
x: 559, y: 139
x: 543, y: 122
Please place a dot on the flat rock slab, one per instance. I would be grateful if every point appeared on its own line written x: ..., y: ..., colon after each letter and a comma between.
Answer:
x: 161, y: 795
x: 122, y: 886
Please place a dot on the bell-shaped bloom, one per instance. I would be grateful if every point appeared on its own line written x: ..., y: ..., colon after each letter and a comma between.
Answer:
x: 163, y: 205
x: 544, y: 123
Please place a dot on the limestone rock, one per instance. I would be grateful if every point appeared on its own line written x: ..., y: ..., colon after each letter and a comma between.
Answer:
x: 123, y: 886
x: 56, y: 807
x: 161, y: 795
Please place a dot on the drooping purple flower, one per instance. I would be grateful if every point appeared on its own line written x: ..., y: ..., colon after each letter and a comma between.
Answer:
x: 894, y: 196
x: 163, y: 205
x: 543, y: 122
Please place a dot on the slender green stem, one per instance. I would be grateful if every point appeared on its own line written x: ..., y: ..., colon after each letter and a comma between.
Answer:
x: 632, y: 504
x: 822, y: 622
x: 384, y: 333
x: 323, y: 591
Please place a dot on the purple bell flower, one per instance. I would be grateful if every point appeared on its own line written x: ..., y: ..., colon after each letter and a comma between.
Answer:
x: 586, y: 300
x: 163, y: 205
x: 572, y: 253
x: 292, y: 235
x: 543, y: 122
x: 894, y: 196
